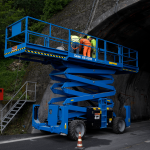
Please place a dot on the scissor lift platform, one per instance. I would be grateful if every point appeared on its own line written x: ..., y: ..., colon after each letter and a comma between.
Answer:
x: 80, y: 78
x: 108, y: 55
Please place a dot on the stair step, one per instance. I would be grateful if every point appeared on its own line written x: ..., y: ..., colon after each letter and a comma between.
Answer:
x: 11, y: 114
x: 14, y: 110
x: 5, y: 121
x: 8, y: 118
x: 19, y: 103
x: 17, y: 107
x: 31, y: 91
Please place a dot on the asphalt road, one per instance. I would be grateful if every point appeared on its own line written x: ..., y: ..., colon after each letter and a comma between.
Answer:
x: 137, y: 137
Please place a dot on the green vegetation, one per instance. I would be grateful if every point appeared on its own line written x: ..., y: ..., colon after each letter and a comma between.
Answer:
x: 11, y: 11
x: 11, y: 76
x: 9, y: 80
x: 52, y: 7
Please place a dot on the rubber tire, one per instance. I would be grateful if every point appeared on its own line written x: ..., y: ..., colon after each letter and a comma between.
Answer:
x: 116, y: 127
x: 72, y: 129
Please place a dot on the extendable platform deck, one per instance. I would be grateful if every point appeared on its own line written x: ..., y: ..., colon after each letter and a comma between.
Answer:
x: 108, y: 54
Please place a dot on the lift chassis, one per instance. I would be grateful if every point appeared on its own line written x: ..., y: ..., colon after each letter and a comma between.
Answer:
x: 70, y: 119
x: 81, y: 80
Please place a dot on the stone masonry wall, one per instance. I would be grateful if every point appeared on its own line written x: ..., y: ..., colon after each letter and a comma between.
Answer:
x: 75, y: 16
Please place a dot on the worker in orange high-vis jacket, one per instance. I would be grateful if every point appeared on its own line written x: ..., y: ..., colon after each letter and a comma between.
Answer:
x: 86, y: 48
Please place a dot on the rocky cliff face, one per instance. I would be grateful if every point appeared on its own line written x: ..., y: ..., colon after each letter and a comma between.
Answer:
x: 132, y: 89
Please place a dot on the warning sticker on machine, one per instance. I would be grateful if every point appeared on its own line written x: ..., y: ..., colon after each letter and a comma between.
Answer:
x: 97, y: 116
x: 14, y: 48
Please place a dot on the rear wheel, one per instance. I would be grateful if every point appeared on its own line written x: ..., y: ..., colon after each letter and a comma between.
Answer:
x: 75, y: 127
x: 119, y: 125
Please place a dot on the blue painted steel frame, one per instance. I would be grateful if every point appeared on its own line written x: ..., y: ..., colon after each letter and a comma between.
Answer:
x: 120, y: 65
x: 128, y: 116
x: 68, y: 76
x: 58, y: 116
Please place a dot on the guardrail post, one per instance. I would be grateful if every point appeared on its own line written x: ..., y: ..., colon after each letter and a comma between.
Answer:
x: 136, y: 59
x: 122, y: 54
x: 105, y: 48
x: 119, y: 52
x: 6, y: 32
x: 1, y: 121
x: 26, y: 30
x: 96, y: 48
x: 47, y: 41
x: 50, y: 34
x: 26, y: 89
x: 69, y: 41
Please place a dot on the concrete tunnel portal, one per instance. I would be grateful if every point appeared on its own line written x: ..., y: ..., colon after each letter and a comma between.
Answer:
x: 130, y: 27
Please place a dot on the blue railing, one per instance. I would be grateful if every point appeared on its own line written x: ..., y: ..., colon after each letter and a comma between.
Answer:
x: 106, y: 51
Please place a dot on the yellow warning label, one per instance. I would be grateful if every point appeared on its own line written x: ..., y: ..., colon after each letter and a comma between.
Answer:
x: 65, y: 126
x: 110, y: 119
x: 112, y: 63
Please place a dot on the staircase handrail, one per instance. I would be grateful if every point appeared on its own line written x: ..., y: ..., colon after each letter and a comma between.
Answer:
x: 16, y: 94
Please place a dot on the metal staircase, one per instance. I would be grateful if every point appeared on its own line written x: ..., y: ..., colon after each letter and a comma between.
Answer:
x: 7, y: 116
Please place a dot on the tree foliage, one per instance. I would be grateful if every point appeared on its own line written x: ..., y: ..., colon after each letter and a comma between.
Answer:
x: 53, y: 6
x: 8, y: 15
x: 13, y: 10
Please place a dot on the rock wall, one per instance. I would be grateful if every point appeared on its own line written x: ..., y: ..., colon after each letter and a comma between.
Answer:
x: 131, y: 89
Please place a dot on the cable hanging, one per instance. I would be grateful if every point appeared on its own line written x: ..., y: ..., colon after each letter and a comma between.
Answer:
x: 94, y: 6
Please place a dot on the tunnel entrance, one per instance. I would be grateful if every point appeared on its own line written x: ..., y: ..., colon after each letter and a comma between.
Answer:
x: 129, y: 27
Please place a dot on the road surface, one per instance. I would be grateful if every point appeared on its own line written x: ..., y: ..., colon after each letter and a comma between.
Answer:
x: 137, y: 137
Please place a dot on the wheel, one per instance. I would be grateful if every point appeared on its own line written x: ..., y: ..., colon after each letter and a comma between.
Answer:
x: 118, y: 125
x: 75, y: 127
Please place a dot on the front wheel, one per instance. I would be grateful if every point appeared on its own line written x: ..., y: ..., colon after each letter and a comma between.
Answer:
x: 75, y: 127
x: 119, y: 125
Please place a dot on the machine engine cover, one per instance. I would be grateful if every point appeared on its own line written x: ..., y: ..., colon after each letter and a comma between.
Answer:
x: 93, y: 117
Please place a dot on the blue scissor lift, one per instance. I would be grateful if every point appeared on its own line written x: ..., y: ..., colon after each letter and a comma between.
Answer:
x: 81, y: 78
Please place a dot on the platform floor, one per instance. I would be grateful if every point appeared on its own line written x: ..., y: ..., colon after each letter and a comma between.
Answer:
x: 38, y: 53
